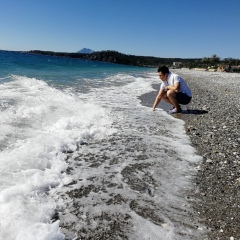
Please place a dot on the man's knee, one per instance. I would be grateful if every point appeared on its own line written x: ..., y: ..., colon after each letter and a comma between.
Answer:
x: 165, y: 97
x: 171, y: 93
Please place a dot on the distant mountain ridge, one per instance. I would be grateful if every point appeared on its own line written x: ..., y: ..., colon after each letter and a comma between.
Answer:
x: 120, y: 58
x: 86, y: 50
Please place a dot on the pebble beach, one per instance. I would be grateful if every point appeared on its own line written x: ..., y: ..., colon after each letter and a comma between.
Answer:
x: 212, y: 121
x: 86, y: 158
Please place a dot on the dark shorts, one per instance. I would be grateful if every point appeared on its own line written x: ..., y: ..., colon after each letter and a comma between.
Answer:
x: 183, y: 98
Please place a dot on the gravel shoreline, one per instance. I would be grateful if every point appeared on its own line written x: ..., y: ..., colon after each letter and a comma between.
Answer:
x: 213, y: 128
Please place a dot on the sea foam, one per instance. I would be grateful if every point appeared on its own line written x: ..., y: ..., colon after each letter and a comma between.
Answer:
x: 135, y: 182
x: 38, y: 125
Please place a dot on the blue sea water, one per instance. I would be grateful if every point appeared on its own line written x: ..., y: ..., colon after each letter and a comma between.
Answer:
x: 69, y: 124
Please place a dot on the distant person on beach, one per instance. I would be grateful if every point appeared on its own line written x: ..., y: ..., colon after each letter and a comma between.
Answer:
x: 173, y: 90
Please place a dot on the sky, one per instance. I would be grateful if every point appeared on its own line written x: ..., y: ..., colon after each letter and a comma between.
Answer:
x: 168, y: 29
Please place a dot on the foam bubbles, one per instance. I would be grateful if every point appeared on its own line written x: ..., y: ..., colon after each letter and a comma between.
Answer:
x: 38, y: 125
x: 41, y: 231
x: 134, y: 183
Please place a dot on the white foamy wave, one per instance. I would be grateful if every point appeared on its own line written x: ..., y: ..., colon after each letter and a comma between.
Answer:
x: 3, y: 78
x: 141, y: 174
x: 38, y: 125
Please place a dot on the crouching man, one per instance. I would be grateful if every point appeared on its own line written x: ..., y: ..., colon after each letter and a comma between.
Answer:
x: 173, y: 90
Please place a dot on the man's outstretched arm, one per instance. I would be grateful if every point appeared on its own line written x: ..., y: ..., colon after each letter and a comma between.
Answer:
x: 158, y: 98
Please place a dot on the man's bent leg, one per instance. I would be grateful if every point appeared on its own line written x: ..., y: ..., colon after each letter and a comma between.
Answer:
x: 166, y: 99
x: 173, y: 100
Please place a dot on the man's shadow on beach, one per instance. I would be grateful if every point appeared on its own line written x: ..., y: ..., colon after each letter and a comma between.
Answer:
x: 186, y: 109
x: 194, y: 111
x: 189, y: 112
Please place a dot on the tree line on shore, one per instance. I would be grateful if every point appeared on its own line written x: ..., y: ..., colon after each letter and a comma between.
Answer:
x: 146, y: 61
x: 215, y: 62
x: 117, y: 57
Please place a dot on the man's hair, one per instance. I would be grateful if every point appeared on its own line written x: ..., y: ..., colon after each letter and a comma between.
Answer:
x: 163, y: 69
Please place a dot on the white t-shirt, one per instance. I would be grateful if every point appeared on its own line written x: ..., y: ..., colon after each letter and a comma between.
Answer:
x: 173, y: 78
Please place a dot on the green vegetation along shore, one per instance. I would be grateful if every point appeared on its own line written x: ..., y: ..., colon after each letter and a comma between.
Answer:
x: 214, y: 62
x: 117, y: 57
